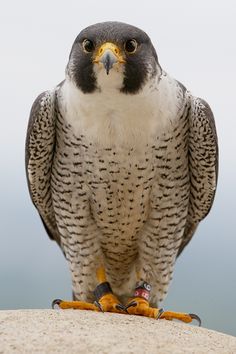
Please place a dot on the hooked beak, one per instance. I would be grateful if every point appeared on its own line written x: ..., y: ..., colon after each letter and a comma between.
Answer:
x: 109, y: 54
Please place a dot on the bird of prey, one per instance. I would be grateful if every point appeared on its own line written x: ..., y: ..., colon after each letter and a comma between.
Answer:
x: 121, y: 162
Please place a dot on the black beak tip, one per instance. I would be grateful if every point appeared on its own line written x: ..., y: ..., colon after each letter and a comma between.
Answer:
x: 108, y: 65
x: 108, y: 62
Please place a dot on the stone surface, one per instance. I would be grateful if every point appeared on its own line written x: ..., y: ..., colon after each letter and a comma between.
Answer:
x: 70, y: 331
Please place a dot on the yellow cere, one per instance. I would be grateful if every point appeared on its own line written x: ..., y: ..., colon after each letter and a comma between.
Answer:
x: 109, y: 46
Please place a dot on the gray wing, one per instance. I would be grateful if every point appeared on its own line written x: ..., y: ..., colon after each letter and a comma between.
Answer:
x: 203, y: 165
x: 40, y: 143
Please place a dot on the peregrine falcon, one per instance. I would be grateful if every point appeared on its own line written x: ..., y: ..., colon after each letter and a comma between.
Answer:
x: 121, y: 162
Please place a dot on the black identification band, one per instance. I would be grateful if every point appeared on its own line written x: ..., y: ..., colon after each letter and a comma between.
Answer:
x: 102, y: 289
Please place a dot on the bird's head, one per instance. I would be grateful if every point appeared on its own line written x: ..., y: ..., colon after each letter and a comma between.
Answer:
x: 112, y: 55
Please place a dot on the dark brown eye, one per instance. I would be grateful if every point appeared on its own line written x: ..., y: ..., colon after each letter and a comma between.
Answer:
x: 88, y: 45
x: 131, y: 46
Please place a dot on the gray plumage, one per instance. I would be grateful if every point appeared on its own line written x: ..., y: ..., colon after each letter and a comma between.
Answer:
x: 129, y: 198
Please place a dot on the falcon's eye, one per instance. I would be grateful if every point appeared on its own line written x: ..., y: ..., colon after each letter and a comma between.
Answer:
x: 88, y: 45
x: 131, y: 46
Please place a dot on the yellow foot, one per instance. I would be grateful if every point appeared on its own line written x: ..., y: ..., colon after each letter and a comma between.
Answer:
x: 184, y: 317
x: 107, y: 303
x: 110, y: 303
x: 77, y: 305
x: 140, y: 306
x: 106, y: 300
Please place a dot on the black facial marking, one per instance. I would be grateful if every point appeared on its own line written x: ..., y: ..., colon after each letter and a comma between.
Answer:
x: 138, y: 67
x: 80, y: 67
x: 139, y: 64
x: 135, y: 75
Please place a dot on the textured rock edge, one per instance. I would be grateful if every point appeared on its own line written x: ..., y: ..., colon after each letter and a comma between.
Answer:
x: 69, y: 331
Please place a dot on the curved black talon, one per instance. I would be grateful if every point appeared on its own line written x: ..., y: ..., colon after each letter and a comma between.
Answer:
x: 131, y: 304
x: 159, y: 314
x: 121, y: 307
x: 98, y: 305
x: 195, y: 317
x: 56, y: 302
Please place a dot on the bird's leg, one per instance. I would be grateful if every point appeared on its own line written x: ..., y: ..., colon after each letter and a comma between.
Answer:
x: 105, y: 300
x: 139, y: 305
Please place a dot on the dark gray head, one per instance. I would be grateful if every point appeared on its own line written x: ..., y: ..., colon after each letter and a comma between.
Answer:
x: 118, y: 49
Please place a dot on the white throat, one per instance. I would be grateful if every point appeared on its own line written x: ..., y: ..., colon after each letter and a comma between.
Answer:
x: 108, y: 117
x: 111, y: 82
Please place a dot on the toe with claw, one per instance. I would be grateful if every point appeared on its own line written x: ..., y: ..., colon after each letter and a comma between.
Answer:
x: 140, y: 306
x: 184, y: 317
x: 110, y: 303
x: 106, y: 300
x: 76, y: 305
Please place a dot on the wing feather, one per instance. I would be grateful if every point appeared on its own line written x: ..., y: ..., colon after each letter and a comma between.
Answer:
x: 40, y: 143
x: 203, y: 165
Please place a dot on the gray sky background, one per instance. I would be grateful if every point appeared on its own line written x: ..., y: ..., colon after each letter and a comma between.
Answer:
x: 195, y: 42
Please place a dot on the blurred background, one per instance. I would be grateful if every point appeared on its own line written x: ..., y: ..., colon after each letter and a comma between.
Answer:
x: 195, y: 42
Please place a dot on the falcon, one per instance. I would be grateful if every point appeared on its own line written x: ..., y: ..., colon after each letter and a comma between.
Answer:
x: 121, y: 163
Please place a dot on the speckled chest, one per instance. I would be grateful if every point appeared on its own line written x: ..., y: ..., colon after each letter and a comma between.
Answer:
x: 118, y: 185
